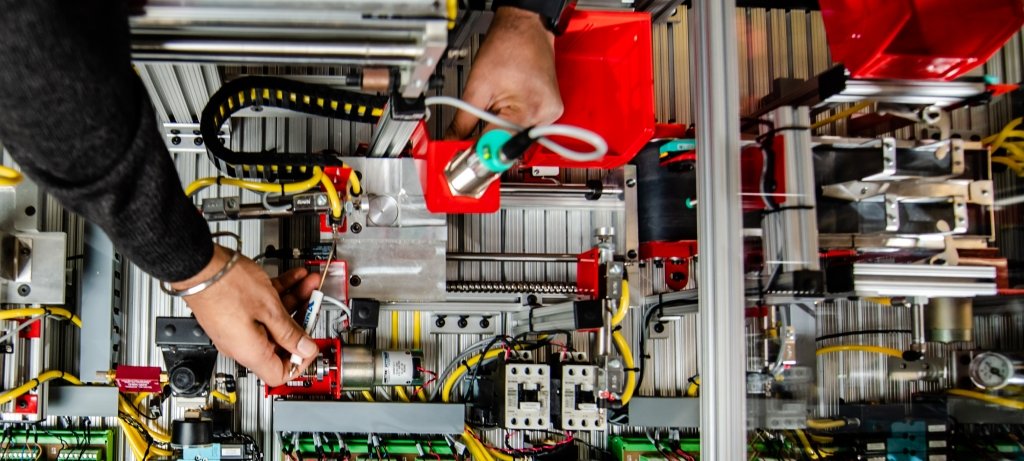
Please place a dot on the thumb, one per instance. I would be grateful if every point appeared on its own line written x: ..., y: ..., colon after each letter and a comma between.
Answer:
x: 287, y: 334
x: 464, y: 122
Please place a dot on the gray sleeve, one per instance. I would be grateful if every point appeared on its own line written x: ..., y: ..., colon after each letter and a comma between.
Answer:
x: 74, y: 115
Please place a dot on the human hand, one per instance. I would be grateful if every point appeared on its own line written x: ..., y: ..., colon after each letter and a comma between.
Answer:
x: 513, y: 74
x: 247, y: 315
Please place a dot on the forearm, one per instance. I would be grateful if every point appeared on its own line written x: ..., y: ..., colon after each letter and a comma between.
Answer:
x: 75, y: 117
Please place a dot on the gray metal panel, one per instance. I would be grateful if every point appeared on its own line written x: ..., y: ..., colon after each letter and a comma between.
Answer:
x: 664, y: 412
x: 81, y: 401
x: 369, y: 417
x: 100, y: 306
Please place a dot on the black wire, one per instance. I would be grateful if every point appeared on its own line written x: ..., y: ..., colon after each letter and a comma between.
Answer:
x: 476, y: 369
x: 581, y: 442
x: 861, y: 332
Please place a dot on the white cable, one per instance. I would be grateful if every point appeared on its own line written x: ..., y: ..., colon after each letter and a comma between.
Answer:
x: 344, y: 308
x: 270, y: 207
x: 540, y: 134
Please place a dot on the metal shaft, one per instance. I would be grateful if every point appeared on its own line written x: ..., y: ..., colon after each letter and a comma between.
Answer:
x: 513, y: 257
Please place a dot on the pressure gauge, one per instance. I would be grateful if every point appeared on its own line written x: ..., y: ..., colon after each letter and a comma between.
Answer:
x: 992, y: 370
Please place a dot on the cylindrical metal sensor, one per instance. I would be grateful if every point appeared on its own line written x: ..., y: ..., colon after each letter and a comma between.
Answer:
x: 949, y: 320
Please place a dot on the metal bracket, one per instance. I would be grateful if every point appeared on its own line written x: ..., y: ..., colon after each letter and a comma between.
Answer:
x: 463, y: 324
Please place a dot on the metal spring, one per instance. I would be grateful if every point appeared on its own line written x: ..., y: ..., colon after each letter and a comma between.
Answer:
x: 511, y: 287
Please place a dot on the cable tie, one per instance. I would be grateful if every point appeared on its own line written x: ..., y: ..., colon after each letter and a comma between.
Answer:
x: 219, y: 178
x: 617, y: 328
x: 635, y: 369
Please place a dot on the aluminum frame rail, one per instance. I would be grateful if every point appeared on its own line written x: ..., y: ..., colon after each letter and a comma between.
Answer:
x: 410, y: 35
x: 716, y: 97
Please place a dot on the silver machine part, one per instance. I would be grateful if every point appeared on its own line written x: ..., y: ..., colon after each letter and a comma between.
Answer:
x: 410, y: 35
x: 994, y: 370
x: 467, y: 176
x: 364, y: 368
x: 790, y: 233
x: 949, y: 320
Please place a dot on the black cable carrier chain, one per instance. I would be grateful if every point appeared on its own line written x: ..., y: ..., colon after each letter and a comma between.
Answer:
x: 261, y: 91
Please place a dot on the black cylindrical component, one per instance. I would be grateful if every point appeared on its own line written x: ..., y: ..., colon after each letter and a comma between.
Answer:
x: 191, y: 432
x: 662, y: 191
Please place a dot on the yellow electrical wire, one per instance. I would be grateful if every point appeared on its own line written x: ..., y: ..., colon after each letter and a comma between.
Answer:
x: 860, y: 348
x: 693, y: 387
x: 811, y: 452
x: 497, y: 454
x: 35, y: 382
x: 417, y: 325
x: 453, y: 13
x: 34, y: 311
x: 290, y: 188
x: 476, y: 450
x: 841, y: 115
x: 156, y: 434
x: 9, y: 176
x: 353, y: 181
x: 627, y: 357
x: 1012, y: 164
x: 450, y: 382
x: 230, y: 397
x: 1001, y: 401
x: 825, y: 424
x: 623, y: 305
x: 332, y: 196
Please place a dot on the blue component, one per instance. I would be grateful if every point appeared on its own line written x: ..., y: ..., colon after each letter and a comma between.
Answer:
x: 991, y: 79
x: 201, y: 453
x: 908, y: 442
x: 488, y: 149
x: 678, y: 145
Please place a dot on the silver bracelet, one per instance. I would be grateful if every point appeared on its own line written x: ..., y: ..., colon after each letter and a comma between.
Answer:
x: 166, y: 287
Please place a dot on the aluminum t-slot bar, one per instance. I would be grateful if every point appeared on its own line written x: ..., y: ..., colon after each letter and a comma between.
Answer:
x: 396, y: 126
x: 885, y: 280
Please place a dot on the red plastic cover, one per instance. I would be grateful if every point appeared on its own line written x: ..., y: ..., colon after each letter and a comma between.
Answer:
x: 918, y: 39
x: 606, y: 78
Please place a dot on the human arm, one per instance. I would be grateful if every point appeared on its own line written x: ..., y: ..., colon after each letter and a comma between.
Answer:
x: 77, y: 120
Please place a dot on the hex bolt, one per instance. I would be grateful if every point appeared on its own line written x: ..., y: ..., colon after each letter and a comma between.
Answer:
x: 439, y: 321
x: 24, y: 290
x: 463, y: 322
x: 355, y: 280
x: 356, y: 228
x: 485, y: 323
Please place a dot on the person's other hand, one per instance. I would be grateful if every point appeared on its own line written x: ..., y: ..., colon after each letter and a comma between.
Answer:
x: 513, y: 74
x: 245, y: 315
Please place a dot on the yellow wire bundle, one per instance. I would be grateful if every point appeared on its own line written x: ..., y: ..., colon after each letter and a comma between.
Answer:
x: 1001, y: 401
x: 317, y: 179
x: 33, y: 383
x: 34, y: 311
x: 860, y: 348
x: 1011, y: 140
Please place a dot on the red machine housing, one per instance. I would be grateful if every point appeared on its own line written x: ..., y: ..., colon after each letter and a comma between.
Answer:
x: 606, y: 79
x: 326, y: 383
x: 918, y: 39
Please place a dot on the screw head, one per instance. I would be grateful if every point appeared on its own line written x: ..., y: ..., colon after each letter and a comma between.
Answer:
x: 176, y: 140
x: 630, y: 182
x: 631, y: 254
x: 439, y: 322
x: 485, y: 323
x: 24, y: 290
x: 463, y: 323
x: 659, y: 327
x: 355, y: 280
x: 197, y: 141
x: 356, y: 228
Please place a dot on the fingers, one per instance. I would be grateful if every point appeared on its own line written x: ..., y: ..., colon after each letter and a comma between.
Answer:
x: 299, y: 293
x: 464, y: 122
x: 288, y: 335
x: 259, y: 354
x: 287, y: 280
